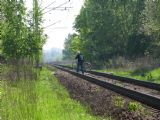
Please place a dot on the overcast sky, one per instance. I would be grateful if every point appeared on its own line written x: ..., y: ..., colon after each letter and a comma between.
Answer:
x: 64, y: 20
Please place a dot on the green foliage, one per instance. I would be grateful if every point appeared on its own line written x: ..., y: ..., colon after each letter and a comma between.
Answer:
x: 139, y: 41
x: 150, y: 78
x: 20, y: 38
x: 138, y: 109
x: 43, y: 99
x: 135, y: 106
x: 72, y: 45
x: 110, y: 28
x: 142, y: 74
x: 119, y: 101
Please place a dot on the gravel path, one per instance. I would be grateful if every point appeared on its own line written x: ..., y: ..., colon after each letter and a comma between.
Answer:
x: 101, y: 101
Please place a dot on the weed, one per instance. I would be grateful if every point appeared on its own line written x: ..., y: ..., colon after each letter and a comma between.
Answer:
x: 135, y: 106
x: 150, y: 78
x: 119, y: 101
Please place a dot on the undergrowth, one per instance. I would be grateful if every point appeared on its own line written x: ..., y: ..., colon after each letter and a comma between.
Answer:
x: 42, y: 99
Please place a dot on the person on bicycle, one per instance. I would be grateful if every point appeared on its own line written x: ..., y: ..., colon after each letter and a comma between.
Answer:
x: 80, y: 61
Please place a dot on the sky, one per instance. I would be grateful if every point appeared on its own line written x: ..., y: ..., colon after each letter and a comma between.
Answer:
x: 61, y: 19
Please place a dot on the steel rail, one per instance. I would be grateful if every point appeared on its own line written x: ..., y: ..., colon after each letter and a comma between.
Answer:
x: 146, y: 84
x: 148, y: 100
x: 142, y: 83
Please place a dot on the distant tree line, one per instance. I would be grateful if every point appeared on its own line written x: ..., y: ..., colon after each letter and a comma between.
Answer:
x: 106, y: 29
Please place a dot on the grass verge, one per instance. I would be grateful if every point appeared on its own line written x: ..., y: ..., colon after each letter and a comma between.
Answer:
x: 43, y: 99
x: 152, y: 76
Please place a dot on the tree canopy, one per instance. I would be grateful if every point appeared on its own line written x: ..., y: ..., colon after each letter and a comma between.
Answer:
x: 110, y: 28
x: 21, y: 32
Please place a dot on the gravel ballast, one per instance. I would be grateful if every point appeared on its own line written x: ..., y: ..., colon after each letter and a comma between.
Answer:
x: 103, y: 102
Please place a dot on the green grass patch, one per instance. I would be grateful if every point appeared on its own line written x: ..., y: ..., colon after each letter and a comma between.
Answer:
x: 119, y: 101
x: 43, y: 99
x: 152, y: 75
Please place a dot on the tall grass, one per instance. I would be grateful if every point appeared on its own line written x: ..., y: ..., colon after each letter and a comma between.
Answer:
x: 43, y: 99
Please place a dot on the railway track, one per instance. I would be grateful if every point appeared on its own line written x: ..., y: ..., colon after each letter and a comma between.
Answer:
x: 142, y: 92
x: 128, y: 80
x: 145, y: 84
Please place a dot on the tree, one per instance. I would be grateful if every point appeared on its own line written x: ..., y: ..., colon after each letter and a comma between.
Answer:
x: 110, y: 28
x: 22, y: 36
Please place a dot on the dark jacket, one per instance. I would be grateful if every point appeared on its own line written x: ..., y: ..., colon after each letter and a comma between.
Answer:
x: 80, y: 57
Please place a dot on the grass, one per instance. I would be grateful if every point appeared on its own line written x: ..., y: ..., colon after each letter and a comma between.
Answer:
x: 43, y: 99
x: 152, y: 75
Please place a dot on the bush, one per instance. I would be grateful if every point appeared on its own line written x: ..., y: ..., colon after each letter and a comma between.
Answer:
x: 134, y: 106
